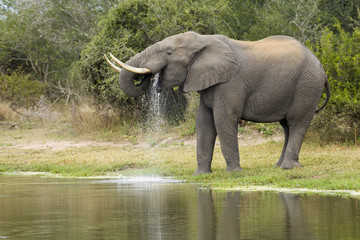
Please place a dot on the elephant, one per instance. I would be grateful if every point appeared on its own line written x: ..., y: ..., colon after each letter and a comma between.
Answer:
x: 275, y: 79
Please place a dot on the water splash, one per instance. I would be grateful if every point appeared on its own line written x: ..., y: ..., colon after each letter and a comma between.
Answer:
x: 141, y: 180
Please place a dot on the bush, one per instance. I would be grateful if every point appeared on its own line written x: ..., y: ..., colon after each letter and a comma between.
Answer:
x: 134, y: 25
x: 6, y: 114
x: 20, y: 89
x: 340, y: 55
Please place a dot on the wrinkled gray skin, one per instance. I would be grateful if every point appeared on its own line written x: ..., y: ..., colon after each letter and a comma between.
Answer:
x: 276, y: 79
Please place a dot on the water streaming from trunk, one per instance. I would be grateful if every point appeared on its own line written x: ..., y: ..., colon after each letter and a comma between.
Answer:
x: 154, y: 124
x: 163, y: 110
x: 167, y: 108
x: 154, y: 116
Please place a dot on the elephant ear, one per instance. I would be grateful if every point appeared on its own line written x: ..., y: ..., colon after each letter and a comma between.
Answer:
x: 215, y: 63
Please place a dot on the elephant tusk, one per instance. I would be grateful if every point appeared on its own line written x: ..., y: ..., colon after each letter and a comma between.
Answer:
x: 111, y: 64
x: 130, y: 68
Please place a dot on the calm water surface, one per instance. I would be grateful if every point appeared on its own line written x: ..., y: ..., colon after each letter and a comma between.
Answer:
x: 151, y: 208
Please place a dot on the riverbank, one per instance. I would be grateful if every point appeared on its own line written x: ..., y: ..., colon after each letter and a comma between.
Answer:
x: 50, y: 149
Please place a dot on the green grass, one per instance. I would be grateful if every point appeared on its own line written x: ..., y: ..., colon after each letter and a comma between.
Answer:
x: 329, y: 167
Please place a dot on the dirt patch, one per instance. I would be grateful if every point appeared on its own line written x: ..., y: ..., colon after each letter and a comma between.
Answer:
x: 62, y: 145
x: 168, y: 142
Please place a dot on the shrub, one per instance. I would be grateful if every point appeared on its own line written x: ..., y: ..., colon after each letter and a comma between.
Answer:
x: 6, y: 114
x: 20, y: 89
x: 132, y: 26
x: 340, y: 55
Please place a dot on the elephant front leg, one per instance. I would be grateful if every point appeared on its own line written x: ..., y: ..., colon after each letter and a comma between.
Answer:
x: 227, y: 129
x: 205, y: 139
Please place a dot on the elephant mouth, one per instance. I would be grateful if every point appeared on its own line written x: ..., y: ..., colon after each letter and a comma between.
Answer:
x: 159, y: 79
x: 154, y: 81
x: 143, y: 81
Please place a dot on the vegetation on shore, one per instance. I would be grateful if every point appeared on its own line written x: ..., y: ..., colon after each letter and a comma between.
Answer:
x: 329, y: 167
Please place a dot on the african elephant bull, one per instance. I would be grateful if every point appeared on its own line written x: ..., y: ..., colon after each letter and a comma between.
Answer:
x: 276, y: 79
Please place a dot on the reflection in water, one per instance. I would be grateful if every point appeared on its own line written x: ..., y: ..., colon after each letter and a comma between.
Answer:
x: 228, y: 225
x: 45, y: 208
x: 296, y: 223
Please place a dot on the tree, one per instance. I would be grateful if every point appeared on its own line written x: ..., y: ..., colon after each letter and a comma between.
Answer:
x: 45, y: 37
x: 296, y: 18
x: 132, y: 26
x: 238, y: 17
x: 344, y: 12
x: 339, y: 53
x: 20, y: 90
x: 24, y: 38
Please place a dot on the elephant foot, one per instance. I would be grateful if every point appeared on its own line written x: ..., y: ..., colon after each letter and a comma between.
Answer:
x: 290, y: 164
x: 200, y: 171
x: 278, y: 164
x: 234, y: 169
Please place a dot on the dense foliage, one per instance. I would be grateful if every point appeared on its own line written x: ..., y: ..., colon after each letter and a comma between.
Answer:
x: 20, y: 89
x: 132, y: 26
x: 61, y: 43
x: 44, y: 38
x: 340, y: 55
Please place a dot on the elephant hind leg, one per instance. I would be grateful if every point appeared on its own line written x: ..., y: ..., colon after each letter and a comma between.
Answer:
x: 295, y: 138
x: 285, y: 126
x: 291, y: 156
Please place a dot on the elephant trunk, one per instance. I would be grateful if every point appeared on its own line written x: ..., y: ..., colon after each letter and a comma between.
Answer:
x: 127, y: 79
x: 133, y: 71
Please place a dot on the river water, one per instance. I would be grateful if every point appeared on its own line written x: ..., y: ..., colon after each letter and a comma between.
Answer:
x: 154, y: 208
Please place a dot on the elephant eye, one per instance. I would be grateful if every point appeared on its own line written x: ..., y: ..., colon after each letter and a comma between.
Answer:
x: 168, y: 53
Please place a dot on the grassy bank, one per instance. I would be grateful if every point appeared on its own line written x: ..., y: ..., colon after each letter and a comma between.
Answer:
x: 50, y: 149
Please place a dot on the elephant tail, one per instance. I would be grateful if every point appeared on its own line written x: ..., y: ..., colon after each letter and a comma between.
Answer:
x: 327, y: 88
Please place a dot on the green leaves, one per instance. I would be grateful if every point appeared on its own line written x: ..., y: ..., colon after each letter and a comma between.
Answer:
x: 294, y: 18
x: 45, y: 37
x: 339, y: 52
x: 20, y: 89
x: 134, y: 25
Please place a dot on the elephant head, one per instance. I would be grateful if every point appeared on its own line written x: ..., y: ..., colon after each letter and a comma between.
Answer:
x: 189, y: 60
